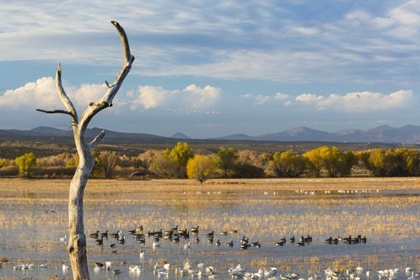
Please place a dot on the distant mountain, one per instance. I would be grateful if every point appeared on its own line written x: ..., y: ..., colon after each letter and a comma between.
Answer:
x: 180, y: 136
x: 236, y: 137
x: 409, y: 134
x: 43, y: 131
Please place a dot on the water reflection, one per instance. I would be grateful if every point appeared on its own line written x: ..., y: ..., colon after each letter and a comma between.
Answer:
x: 30, y: 234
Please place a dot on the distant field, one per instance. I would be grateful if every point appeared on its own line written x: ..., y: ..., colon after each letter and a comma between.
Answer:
x: 57, y: 188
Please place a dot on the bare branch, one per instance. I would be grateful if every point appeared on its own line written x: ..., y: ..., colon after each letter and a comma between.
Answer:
x: 63, y: 96
x: 106, y: 100
x: 128, y: 58
x: 107, y: 84
x: 55, y: 112
x: 96, y: 140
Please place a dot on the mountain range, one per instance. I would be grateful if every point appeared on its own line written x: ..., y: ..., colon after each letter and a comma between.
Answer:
x: 409, y: 134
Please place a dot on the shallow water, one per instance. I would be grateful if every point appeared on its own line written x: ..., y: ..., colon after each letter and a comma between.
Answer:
x: 31, y: 232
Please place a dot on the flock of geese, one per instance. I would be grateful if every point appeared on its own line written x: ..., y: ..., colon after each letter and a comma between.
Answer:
x: 202, y: 270
x: 175, y: 234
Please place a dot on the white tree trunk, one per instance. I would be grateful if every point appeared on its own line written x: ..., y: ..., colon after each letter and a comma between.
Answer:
x: 77, y: 238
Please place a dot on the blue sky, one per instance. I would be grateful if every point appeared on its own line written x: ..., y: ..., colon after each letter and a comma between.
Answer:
x: 214, y: 68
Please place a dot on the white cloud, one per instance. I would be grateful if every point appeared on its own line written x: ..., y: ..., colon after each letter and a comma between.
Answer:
x: 42, y: 94
x: 192, y: 96
x: 260, y: 99
x: 358, y: 101
x: 281, y: 96
x: 34, y: 94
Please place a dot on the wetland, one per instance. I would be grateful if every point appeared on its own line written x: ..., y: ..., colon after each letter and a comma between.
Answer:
x: 33, y: 222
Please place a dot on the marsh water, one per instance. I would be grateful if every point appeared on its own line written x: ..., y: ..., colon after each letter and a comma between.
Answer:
x: 33, y: 222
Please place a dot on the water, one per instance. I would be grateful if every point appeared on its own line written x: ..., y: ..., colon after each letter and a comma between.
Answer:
x: 30, y: 233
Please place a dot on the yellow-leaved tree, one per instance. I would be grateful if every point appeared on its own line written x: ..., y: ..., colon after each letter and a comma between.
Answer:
x: 26, y: 164
x: 201, y: 168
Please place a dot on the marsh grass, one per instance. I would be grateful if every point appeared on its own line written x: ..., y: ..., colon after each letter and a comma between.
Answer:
x: 265, y: 209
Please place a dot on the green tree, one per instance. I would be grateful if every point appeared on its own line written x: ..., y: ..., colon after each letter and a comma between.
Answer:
x: 225, y: 160
x: 374, y: 161
x: 412, y: 161
x: 346, y: 163
x: 331, y: 158
x: 287, y: 164
x: 200, y: 168
x: 163, y: 165
x: 246, y: 170
x: 26, y: 164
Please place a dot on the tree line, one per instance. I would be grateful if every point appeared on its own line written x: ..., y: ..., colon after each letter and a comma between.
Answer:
x: 183, y: 162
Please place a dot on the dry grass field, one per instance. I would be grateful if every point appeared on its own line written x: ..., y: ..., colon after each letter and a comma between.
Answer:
x: 385, y: 210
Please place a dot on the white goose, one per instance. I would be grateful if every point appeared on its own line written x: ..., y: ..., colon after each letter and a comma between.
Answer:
x: 65, y: 267
x: 63, y: 239
x: 187, y: 246
x: 134, y: 268
x: 43, y: 265
x: 155, y: 244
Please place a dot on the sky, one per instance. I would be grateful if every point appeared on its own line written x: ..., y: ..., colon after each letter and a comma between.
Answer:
x: 212, y: 68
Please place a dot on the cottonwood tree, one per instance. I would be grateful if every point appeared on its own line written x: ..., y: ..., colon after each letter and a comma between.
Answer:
x: 77, y: 238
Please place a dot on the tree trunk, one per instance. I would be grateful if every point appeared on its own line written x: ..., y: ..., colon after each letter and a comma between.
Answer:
x: 77, y: 238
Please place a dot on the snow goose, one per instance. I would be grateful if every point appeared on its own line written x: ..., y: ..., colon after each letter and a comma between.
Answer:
x: 65, y: 267
x: 43, y: 265
x: 63, y: 239
x: 134, y: 268
x: 187, y: 246
x: 411, y: 277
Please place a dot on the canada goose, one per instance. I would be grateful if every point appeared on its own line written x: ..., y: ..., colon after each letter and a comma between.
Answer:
x: 230, y: 244
x: 139, y: 229
x: 100, y: 242
x: 280, y: 243
x: 94, y: 235
x: 99, y: 266
x: 210, y: 234
x: 223, y: 233
x: 218, y: 242
x: 104, y: 234
x: 182, y: 231
x: 116, y: 234
x: 142, y: 252
x: 292, y: 240
x: 112, y: 245
x: 116, y: 271
x: 301, y: 243
x: 194, y: 229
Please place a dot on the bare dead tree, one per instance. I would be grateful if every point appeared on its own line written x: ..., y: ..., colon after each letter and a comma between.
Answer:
x: 77, y: 238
